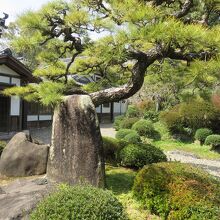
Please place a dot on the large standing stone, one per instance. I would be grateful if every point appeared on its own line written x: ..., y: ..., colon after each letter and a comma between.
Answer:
x: 76, y: 153
x: 21, y: 157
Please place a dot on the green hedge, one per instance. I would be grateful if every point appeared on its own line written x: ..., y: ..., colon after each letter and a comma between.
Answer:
x: 144, y: 128
x: 79, y: 203
x: 178, y: 191
x: 117, y: 122
x: 213, y: 140
x: 133, y: 138
x: 132, y: 112
x: 138, y: 155
x: 127, y: 123
x: 123, y: 132
x: 202, y: 133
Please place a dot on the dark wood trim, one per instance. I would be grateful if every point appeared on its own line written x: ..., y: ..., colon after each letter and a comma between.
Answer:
x: 11, y: 76
x: 112, y: 112
x: 18, y: 67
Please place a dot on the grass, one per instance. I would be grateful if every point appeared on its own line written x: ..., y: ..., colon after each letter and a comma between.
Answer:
x: 120, y: 181
x: 203, y: 151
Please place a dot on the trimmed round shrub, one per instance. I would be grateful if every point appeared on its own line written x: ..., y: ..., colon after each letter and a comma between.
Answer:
x: 117, y: 122
x: 132, y: 111
x: 213, y: 140
x: 2, y: 146
x: 133, y: 138
x: 138, y: 155
x: 127, y: 123
x: 110, y: 147
x: 123, y: 132
x: 79, y: 203
x: 178, y: 191
x: 202, y: 133
x: 144, y: 128
x: 151, y: 115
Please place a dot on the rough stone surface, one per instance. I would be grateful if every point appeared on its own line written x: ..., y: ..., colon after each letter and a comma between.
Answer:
x: 76, y: 146
x: 21, y: 197
x: 22, y: 157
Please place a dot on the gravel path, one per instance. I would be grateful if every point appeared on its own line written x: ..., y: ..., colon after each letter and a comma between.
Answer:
x: 211, y: 166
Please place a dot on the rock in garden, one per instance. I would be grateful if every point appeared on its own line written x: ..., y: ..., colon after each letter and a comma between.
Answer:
x: 22, y: 157
x: 76, y: 153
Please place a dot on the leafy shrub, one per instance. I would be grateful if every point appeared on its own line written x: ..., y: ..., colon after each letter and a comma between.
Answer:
x: 127, y: 123
x: 2, y: 146
x: 178, y: 191
x: 110, y: 146
x: 123, y: 132
x: 117, y: 121
x: 138, y: 155
x: 144, y: 128
x: 79, y: 203
x: 202, y: 133
x: 133, y: 138
x: 213, y: 140
x: 132, y: 111
x: 163, y: 130
x: 192, y: 115
x: 151, y: 115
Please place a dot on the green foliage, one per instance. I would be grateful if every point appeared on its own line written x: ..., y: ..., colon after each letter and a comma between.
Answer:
x: 151, y: 115
x: 123, y: 132
x: 138, y: 155
x: 117, y: 121
x: 2, y: 146
x: 132, y: 111
x: 144, y: 128
x: 213, y: 140
x: 133, y: 138
x: 163, y: 130
x: 79, y: 203
x: 202, y: 133
x: 127, y: 123
x: 110, y: 146
x: 193, y: 115
x: 62, y: 29
x: 178, y: 191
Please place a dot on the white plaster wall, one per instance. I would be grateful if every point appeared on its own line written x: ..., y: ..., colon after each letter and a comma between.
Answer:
x: 15, y: 106
x: 106, y: 109
x: 45, y: 117
x: 32, y: 118
x: 7, y: 70
x: 98, y: 109
x: 5, y: 79
x: 16, y: 81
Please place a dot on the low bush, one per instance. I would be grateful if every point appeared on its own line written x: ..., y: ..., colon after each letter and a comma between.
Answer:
x: 2, y: 146
x: 178, y: 191
x: 110, y: 147
x: 192, y: 115
x: 202, y: 133
x: 79, y: 203
x: 144, y: 128
x: 213, y: 140
x: 123, y: 132
x: 132, y: 112
x: 138, y: 155
x: 133, y: 138
x: 151, y: 115
x: 127, y: 123
x: 117, y: 122
x: 163, y: 130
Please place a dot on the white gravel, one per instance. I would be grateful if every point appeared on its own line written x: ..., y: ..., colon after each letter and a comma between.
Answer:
x: 211, y: 166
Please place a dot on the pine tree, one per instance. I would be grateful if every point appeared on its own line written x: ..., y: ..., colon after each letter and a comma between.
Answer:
x: 131, y: 36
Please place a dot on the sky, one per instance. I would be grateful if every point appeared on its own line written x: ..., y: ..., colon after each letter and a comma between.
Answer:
x: 16, y: 7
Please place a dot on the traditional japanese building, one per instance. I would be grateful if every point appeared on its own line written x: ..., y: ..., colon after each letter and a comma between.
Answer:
x: 16, y: 114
